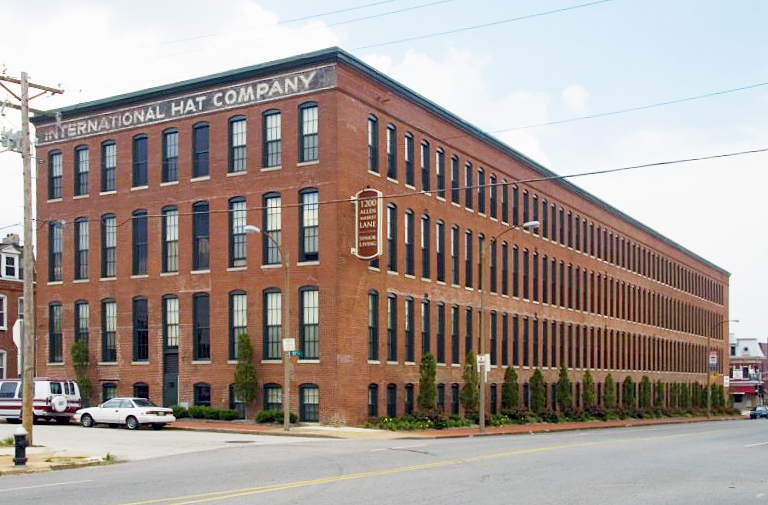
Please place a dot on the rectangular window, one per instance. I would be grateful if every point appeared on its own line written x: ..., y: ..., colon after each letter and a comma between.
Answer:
x: 170, y: 322
x: 468, y: 185
x: 468, y: 259
x: 515, y: 340
x: 494, y: 268
x: 308, y: 133
x: 515, y: 205
x: 108, y: 166
x: 139, y: 161
x: 108, y: 331
x: 504, y: 268
x: 493, y: 197
x: 409, y: 237
x: 237, y: 244
x: 309, y: 232
x: 238, y: 320
x: 425, y: 175
x: 455, y: 179
x: 82, y: 321
x: 309, y: 330
x: 391, y: 238
x: 455, y: 334
x: 544, y: 280
x: 515, y: 271
x: 426, y: 330
x: 55, y: 354
x: 504, y: 339
x: 54, y: 175
x: 410, y: 177
x: 535, y: 277
x: 273, y: 236
x: 481, y: 190
x: 273, y: 143
x: 494, y: 338
x: 455, y: 255
x: 170, y: 240
x: 200, y: 236
x: 468, y: 339
x: 544, y: 221
x: 200, y: 147
x: 535, y: 229
x: 526, y: 267
x: 139, y: 242
x: 526, y: 211
x: 440, y: 249
x: 373, y: 144
x: 391, y: 152
x: 391, y: 328
x: 140, y: 330
x: 373, y: 325
x: 170, y: 156
x: 425, y: 250
x: 440, y: 172
x: 81, y: 171
x: 201, y: 326
x: 504, y: 202
x: 108, y: 246
x: 273, y: 324
x: 440, y: 333
x: 237, y: 145
x: 81, y: 248
x: 408, y: 323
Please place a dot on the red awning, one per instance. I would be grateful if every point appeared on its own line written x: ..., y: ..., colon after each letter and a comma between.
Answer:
x: 747, y: 390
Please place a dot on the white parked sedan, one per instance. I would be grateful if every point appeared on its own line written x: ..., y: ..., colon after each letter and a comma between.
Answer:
x: 132, y: 412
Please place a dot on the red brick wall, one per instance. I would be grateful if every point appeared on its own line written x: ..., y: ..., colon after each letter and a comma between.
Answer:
x: 12, y: 290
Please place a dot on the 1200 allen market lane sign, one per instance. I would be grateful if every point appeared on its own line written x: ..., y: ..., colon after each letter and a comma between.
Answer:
x: 368, y: 224
x: 227, y: 97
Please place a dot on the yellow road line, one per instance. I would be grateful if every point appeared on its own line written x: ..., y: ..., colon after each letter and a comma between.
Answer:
x: 235, y: 493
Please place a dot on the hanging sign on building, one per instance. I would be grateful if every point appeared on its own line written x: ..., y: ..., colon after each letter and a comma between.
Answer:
x: 368, y: 223
x: 712, y: 360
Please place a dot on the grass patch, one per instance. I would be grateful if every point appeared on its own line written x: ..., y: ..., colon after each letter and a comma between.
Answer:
x: 7, y: 442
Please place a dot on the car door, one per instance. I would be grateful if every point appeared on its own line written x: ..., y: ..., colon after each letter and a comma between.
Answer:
x: 124, y: 409
x: 107, y: 412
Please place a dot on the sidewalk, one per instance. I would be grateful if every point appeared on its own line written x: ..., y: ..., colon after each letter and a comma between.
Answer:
x: 43, y: 459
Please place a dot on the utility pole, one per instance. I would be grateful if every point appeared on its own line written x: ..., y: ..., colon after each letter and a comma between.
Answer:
x: 28, y: 334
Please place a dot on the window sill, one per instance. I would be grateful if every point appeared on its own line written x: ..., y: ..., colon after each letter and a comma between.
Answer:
x: 308, y: 163
x: 307, y: 263
x: 374, y: 173
x: 271, y: 169
x: 374, y: 362
x: 54, y: 200
x: 271, y: 266
x: 201, y: 362
x: 456, y: 204
x: 140, y: 276
x: 107, y: 363
x: 410, y: 362
x: 80, y: 197
x: 108, y: 279
x: 236, y: 269
x: 310, y: 360
x: 390, y: 179
x: 469, y: 210
x: 80, y: 281
x: 200, y: 272
x: 375, y: 269
x: 441, y: 198
x: 139, y: 188
x: 232, y: 362
x: 201, y: 178
x: 441, y: 283
x: 169, y: 183
x: 469, y: 288
x: 140, y: 363
x: 55, y: 283
x: 410, y: 276
x: 56, y: 363
x: 392, y: 272
x: 271, y: 361
x: 104, y: 193
x: 168, y: 274
x: 236, y: 174
x: 426, y: 279
x: 392, y: 363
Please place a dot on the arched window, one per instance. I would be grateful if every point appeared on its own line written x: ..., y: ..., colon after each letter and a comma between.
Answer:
x: 373, y: 401
x: 141, y: 390
x: 273, y: 397
x: 202, y: 394
x: 309, y: 403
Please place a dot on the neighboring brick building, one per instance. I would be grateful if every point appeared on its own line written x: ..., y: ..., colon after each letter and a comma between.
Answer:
x: 11, y: 303
x: 746, y: 371
x: 144, y: 198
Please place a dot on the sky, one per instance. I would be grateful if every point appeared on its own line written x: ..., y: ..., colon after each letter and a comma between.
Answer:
x: 511, y: 68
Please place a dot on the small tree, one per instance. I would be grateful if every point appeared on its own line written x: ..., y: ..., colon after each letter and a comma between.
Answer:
x: 685, y: 396
x: 588, y: 390
x: 246, y: 385
x: 721, y: 396
x: 470, y: 391
x: 510, y: 394
x: 674, y: 395
x: 645, y: 392
x: 628, y: 392
x: 609, y: 396
x: 427, y: 388
x: 538, y: 392
x: 563, y: 390
x: 81, y: 360
x: 659, y: 397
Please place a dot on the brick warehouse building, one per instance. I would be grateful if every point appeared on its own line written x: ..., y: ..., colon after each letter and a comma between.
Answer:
x: 11, y: 303
x: 142, y: 208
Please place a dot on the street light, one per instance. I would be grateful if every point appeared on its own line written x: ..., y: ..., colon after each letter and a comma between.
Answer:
x: 528, y: 225
x: 286, y: 400
x: 706, y: 369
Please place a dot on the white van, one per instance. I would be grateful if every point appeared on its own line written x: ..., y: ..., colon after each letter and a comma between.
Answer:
x: 54, y: 399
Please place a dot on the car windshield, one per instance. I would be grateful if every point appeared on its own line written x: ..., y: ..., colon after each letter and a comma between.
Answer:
x: 143, y: 402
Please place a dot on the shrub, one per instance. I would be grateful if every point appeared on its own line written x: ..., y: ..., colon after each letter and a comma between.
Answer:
x: 510, y: 394
x: 180, y: 412
x: 470, y: 391
x: 563, y: 390
x: 588, y: 390
x: 427, y: 389
x: 538, y: 392
x: 499, y: 420
x: 645, y: 392
x: 272, y: 416
x: 609, y: 396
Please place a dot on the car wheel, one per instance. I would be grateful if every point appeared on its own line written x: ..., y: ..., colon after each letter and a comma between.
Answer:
x: 131, y: 423
x: 158, y: 426
x: 87, y: 421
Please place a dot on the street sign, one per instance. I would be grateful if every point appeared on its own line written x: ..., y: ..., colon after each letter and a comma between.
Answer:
x: 289, y: 344
x: 726, y: 381
x: 712, y: 360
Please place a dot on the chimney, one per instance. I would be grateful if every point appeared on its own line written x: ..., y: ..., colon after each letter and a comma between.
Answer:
x: 11, y: 238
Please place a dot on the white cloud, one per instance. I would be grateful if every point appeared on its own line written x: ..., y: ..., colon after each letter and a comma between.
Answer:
x: 575, y: 98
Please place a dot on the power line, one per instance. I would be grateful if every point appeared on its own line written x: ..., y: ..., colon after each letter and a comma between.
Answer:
x: 633, y: 109
x: 485, y: 25
x: 198, y: 37
x: 406, y: 194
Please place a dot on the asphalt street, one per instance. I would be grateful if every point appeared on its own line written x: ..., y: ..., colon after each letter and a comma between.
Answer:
x: 702, y: 463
